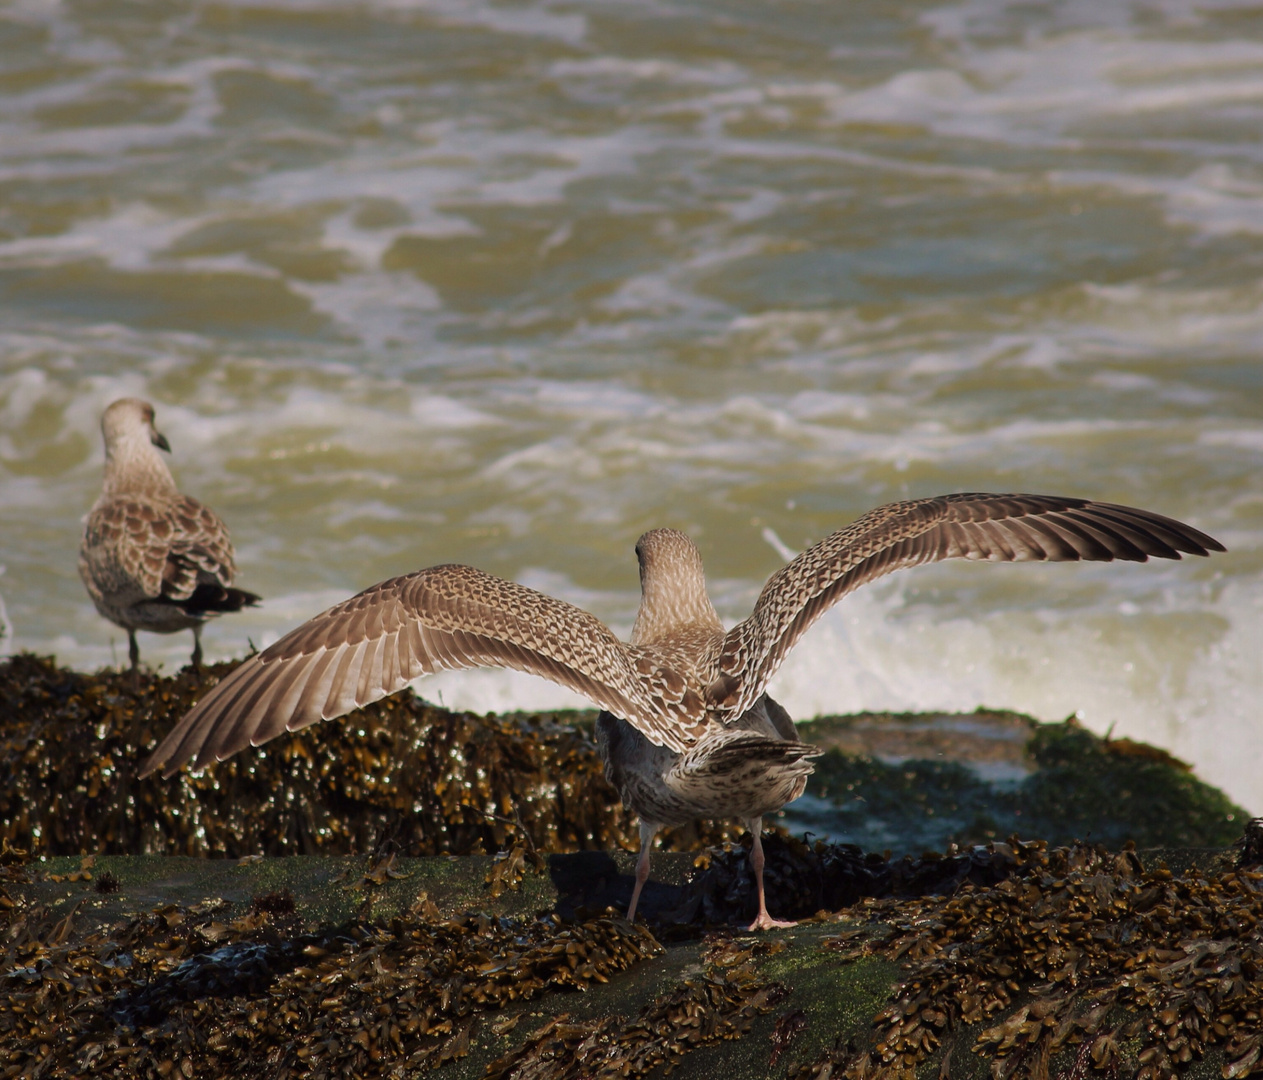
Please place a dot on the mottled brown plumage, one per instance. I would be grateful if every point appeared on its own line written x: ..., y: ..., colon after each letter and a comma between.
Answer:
x: 688, y: 729
x: 743, y: 770
x: 151, y: 558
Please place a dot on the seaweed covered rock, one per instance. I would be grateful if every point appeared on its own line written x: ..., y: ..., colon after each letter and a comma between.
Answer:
x: 1015, y: 961
x: 259, y: 995
x: 1081, y: 962
x: 424, y: 779
x: 428, y: 780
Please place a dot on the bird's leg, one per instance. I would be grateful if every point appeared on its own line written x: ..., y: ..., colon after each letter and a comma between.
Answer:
x: 133, y: 653
x: 763, y: 921
x: 197, y: 648
x: 647, y: 833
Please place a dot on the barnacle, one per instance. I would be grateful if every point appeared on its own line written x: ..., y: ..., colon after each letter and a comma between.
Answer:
x: 1064, y: 962
x: 429, y: 780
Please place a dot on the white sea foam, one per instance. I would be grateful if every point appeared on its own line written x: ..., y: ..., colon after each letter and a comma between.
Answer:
x: 6, y: 627
x: 1194, y: 691
x: 749, y: 295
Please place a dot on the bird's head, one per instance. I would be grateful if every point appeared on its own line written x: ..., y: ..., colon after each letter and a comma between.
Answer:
x: 672, y: 586
x: 128, y: 420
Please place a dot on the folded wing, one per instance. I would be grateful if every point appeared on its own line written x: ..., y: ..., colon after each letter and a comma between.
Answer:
x: 198, y: 551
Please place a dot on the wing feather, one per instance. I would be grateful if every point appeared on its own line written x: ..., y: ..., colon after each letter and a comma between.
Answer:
x: 315, y: 693
x: 1059, y: 542
x: 239, y: 723
x: 270, y: 701
x: 348, y: 693
x: 375, y: 643
x: 438, y: 647
x: 998, y: 528
x: 333, y: 703
x: 292, y: 688
x: 1118, y: 543
x: 371, y: 669
x: 1155, y: 539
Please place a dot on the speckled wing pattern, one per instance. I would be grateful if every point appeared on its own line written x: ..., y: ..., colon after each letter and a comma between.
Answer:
x: 997, y: 528
x: 444, y: 617
x: 165, y: 547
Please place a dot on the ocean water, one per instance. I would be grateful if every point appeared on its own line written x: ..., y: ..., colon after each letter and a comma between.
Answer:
x: 419, y: 281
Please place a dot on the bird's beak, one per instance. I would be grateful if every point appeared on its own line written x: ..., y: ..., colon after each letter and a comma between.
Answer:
x: 160, y: 441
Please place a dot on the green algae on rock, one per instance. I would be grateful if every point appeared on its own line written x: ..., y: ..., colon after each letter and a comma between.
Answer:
x: 920, y: 782
x: 1060, y: 963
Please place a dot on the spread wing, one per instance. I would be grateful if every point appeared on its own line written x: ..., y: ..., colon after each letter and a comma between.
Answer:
x: 444, y: 617
x: 997, y: 528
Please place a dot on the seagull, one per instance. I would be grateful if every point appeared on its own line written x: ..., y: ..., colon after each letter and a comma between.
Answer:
x: 151, y: 558
x: 687, y: 727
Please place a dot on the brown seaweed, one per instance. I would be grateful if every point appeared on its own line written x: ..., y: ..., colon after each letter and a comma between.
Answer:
x: 1079, y: 953
x: 719, y: 1002
x: 180, y: 992
x: 425, y: 780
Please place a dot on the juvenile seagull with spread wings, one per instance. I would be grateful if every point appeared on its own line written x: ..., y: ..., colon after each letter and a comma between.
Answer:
x: 687, y: 729
x: 151, y: 558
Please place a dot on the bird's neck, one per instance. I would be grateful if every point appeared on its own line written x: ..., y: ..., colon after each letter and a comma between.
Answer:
x: 669, y: 608
x: 135, y: 467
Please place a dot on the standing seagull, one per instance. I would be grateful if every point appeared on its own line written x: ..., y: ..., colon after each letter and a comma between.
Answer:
x: 151, y: 558
x: 687, y: 728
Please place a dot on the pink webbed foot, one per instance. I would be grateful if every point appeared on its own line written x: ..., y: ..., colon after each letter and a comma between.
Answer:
x: 766, y: 922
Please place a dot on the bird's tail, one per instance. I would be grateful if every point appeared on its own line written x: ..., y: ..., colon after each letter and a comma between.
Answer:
x: 214, y: 599
x: 746, y: 749
x: 744, y: 768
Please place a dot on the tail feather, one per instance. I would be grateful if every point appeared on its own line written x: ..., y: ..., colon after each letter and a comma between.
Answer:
x: 751, y: 752
x: 214, y: 599
x: 745, y: 775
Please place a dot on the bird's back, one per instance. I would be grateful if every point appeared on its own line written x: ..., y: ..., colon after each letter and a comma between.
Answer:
x: 140, y: 548
x: 745, y: 769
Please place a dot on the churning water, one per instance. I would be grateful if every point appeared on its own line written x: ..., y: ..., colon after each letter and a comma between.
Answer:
x: 417, y: 281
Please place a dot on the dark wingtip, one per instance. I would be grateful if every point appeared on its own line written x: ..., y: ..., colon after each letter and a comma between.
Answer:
x: 1172, y: 537
x: 216, y: 599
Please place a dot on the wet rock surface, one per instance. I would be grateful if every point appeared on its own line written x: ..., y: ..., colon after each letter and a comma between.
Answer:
x: 330, y: 947
x: 909, y: 783
x: 1016, y: 960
